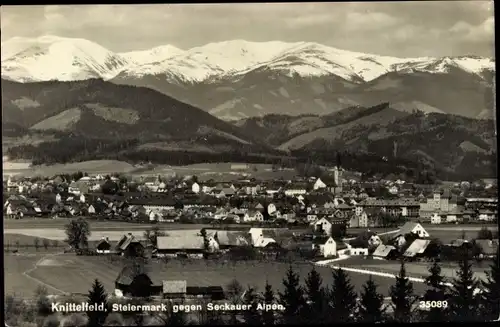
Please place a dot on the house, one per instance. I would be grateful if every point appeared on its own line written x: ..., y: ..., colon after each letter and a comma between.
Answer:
x: 104, y: 246
x: 357, y: 221
x: 323, y: 225
x: 358, y: 251
x: 393, y: 189
x: 180, y: 246
x: 417, y: 247
x: 436, y: 219
x: 139, y: 281
x: 318, y: 184
x: 326, y: 245
x: 259, y: 238
x: 226, y: 193
x: 385, y: 251
x: 134, y: 281
x: 229, y: 239
x: 412, y: 228
x: 253, y: 215
x: 195, y: 188
x: 129, y: 246
x: 259, y: 207
x: 489, y: 248
x: 487, y: 215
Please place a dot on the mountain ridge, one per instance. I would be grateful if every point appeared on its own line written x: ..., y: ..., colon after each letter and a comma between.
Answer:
x: 247, y: 55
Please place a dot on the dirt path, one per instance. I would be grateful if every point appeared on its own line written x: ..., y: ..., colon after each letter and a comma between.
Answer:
x: 48, y: 286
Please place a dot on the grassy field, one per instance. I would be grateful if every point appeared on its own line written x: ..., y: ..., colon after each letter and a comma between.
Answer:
x: 414, y: 269
x: 205, y: 171
x: 91, y: 167
x: 75, y: 274
x: 31, y: 223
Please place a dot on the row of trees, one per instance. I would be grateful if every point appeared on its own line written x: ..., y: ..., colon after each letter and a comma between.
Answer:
x: 314, y: 302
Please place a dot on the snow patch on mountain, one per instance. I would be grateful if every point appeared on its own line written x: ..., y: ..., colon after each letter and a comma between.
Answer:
x: 154, y: 55
x: 474, y: 65
x: 56, y: 58
x: 64, y: 59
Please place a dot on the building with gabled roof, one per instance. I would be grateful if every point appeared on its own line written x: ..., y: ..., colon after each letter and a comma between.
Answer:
x: 186, y: 245
x: 417, y: 247
x: 412, y: 228
x: 384, y: 251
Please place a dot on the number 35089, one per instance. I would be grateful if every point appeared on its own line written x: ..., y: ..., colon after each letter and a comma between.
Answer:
x: 433, y: 304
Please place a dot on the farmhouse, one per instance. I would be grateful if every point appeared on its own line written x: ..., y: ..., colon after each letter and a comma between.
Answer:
x: 133, y: 281
x: 412, y: 228
x: 416, y: 248
x: 186, y: 245
x: 326, y: 246
x: 229, y: 239
x: 325, y: 225
x: 385, y: 251
x: 129, y: 246
x: 104, y: 246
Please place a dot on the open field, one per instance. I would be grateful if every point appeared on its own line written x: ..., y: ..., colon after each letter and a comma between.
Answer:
x: 205, y: 171
x: 15, y: 281
x: 91, y: 167
x: 42, y: 223
x: 413, y: 269
x: 75, y: 274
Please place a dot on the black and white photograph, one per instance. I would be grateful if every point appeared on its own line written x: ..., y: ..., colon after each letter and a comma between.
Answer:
x: 249, y: 163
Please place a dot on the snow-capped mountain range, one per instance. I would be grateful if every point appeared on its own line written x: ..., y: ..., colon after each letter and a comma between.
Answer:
x: 66, y: 59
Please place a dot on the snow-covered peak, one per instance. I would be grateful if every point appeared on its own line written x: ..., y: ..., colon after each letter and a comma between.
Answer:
x: 156, y: 54
x: 235, y: 55
x: 57, y: 58
x: 474, y: 65
x: 52, y: 57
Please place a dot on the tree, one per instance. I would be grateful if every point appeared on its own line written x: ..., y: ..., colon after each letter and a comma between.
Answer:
x: 234, y: 290
x: 491, y: 295
x: 484, y: 234
x: 463, y: 301
x: 36, y: 242
x: 252, y: 316
x: 402, y: 297
x: 371, y: 308
x: 97, y: 296
x: 292, y: 298
x: 342, y: 298
x: 42, y: 301
x: 77, y: 233
x: 46, y: 243
x: 109, y: 187
x: 74, y: 320
x: 436, y: 293
x: 315, y: 295
x: 268, y: 316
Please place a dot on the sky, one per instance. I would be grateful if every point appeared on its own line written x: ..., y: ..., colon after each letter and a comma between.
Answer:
x: 402, y: 29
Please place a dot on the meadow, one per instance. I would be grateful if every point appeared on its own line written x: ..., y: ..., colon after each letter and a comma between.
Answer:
x: 67, y: 273
x: 204, y: 171
x: 413, y: 269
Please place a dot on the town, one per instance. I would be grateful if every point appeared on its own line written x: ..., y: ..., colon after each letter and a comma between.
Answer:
x: 154, y: 235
